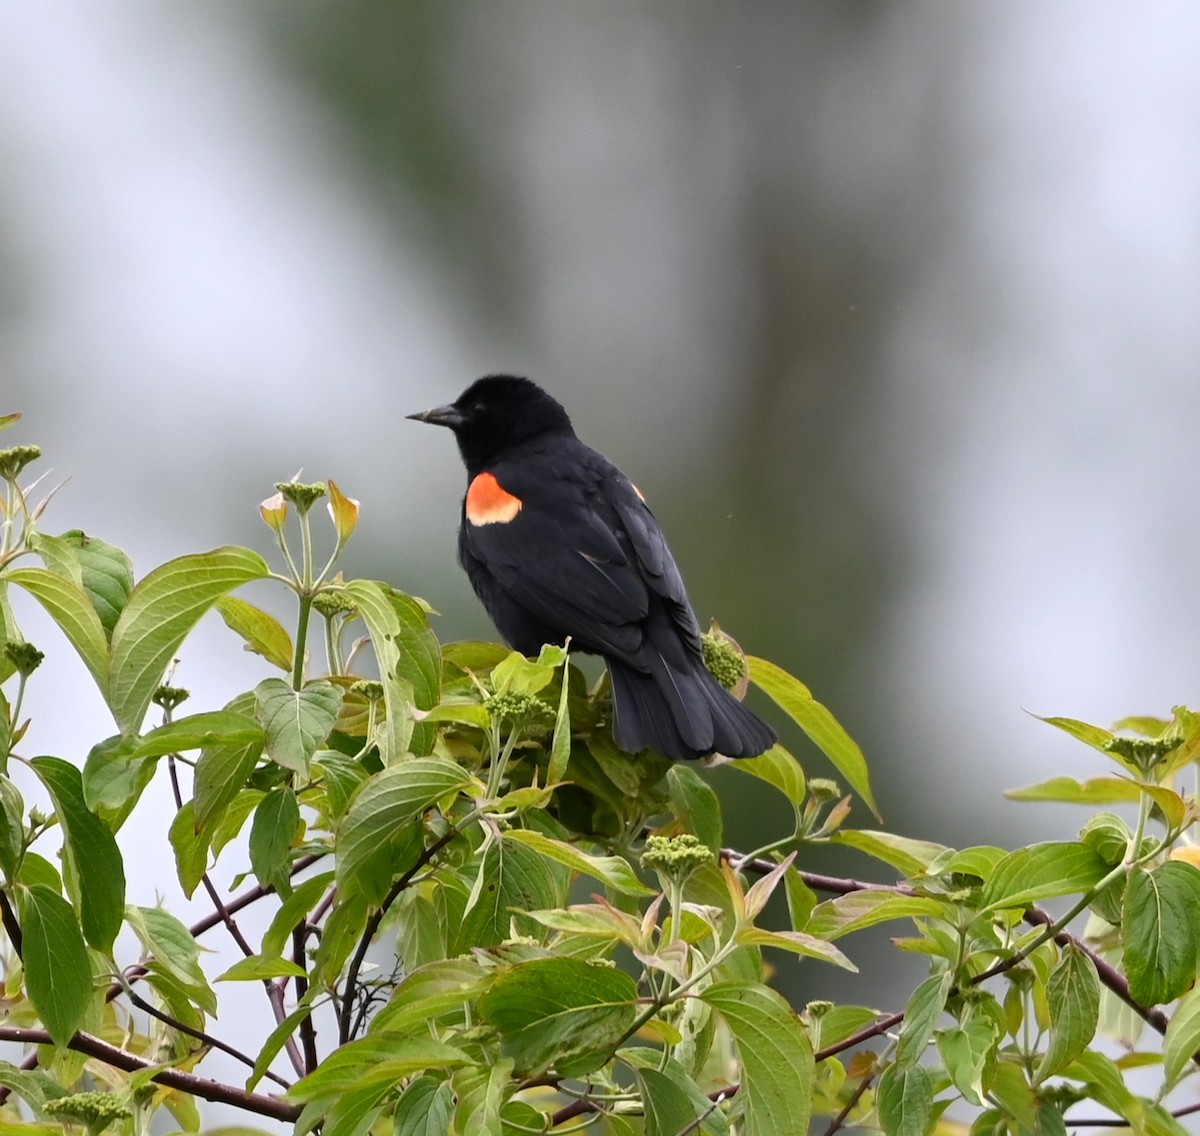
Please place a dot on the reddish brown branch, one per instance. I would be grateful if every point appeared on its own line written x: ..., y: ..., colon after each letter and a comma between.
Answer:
x: 202, y: 1087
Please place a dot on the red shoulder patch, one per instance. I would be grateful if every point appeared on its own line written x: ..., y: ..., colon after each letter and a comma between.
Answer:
x: 489, y: 503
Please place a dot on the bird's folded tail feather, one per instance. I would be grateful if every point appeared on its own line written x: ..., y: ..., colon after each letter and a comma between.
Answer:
x: 681, y: 715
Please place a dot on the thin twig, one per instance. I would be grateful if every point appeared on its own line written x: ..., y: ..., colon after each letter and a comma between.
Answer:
x: 875, y: 1029
x: 838, y: 1121
x: 199, y: 1035
x: 203, y: 1087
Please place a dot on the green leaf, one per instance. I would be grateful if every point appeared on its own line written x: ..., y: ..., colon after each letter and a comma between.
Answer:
x: 861, y: 909
x: 904, y: 1100
x: 190, y: 848
x: 297, y: 722
x: 12, y: 826
x: 776, y: 1057
x: 1042, y: 871
x: 779, y: 769
x: 355, y: 1113
x: 339, y: 937
x: 796, y: 700
x: 174, y: 951
x: 562, y: 1012
x: 429, y: 992
x: 1096, y: 791
x: 518, y: 675
x: 797, y: 943
x: 342, y: 775
x: 1107, y: 1087
x: 512, y: 878
x: 966, y: 1052
x: 1094, y: 736
x: 1183, y: 1036
x: 261, y: 632
x: 58, y: 974
x: 277, y: 1038
x: 480, y: 1093
x: 902, y: 852
x: 383, y: 804
x: 921, y: 1015
x: 419, y: 663
x: 272, y: 837
x: 114, y: 778
x: 162, y: 609
x: 668, y: 1107
x: 375, y: 1059
x: 1160, y: 932
x: 560, y: 746
x: 221, y: 773
x: 471, y: 655
x: 106, y: 574
x: 611, y: 870
x: 255, y: 967
x: 68, y: 605
x: 695, y: 805
x: 210, y: 728
x: 93, y: 850
x: 383, y: 624
x: 1074, y: 994
x: 424, y: 1109
x: 304, y: 898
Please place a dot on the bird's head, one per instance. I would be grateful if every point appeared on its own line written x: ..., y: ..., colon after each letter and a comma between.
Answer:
x: 495, y: 414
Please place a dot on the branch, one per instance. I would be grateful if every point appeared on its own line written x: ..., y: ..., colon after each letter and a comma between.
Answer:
x: 199, y: 1035
x: 202, y: 1087
x: 11, y: 926
x: 308, y: 1032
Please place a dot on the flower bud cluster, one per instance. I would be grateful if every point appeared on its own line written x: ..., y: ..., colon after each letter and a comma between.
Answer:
x: 723, y: 660
x: 519, y: 709
x: 675, y: 857
x: 15, y: 459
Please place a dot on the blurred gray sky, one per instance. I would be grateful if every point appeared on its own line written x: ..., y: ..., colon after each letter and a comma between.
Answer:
x: 890, y: 308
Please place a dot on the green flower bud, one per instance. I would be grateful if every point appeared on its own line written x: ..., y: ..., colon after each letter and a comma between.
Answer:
x: 817, y: 1009
x: 330, y: 603
x: 168, y: 697
x: 675, y: 857
x: 24, y: 656
x: 96, y: 1110
x: 15, y: 459
x: 822, y: 789
x: 1144, y: 753
x: 525, y: 710
x: 301, y: 495
x: 723, y: 660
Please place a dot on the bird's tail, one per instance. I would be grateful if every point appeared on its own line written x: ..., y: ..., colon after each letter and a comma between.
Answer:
x: 681, y: 715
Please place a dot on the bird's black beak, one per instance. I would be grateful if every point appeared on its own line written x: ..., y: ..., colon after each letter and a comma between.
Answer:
x: 448, y: 415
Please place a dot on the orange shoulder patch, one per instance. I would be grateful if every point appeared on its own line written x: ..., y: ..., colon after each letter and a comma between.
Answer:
x: 489, y: 503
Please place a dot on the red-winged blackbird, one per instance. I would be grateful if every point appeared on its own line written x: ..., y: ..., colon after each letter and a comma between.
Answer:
x: 558, y: 542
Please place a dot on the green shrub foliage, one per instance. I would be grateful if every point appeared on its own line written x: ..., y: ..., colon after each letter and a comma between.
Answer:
x: 484, y: 919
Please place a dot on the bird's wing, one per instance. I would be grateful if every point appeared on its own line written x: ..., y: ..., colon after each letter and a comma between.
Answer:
x: 562, y: 558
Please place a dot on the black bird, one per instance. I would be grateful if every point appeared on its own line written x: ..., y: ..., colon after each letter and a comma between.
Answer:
x: 558, y: 542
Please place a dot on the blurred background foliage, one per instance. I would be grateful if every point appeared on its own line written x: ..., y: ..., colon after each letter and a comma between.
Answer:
x: 889, y: 308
